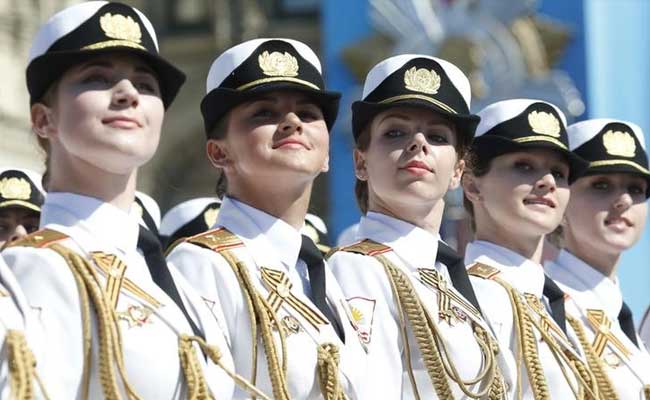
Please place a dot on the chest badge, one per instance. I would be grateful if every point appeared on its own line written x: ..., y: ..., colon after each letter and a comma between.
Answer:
x: 136, y: 316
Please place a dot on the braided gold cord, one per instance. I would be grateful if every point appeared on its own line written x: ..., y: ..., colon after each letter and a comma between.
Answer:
x: 646, y: 392
x: 22, y: 368
x: 605, y: 385
x: 328, y: 370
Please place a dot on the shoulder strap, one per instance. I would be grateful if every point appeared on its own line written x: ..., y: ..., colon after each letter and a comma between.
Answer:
x: 40, y: 239
x: 483, y: 271
x: 365, y: 247
x: 219, y: 239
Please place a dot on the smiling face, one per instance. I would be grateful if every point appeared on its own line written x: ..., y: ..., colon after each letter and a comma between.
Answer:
x: 105, y: 112
x: 410, y: 160
x: 524, y: 194
x: 279, y: 137
x: 606, y: 214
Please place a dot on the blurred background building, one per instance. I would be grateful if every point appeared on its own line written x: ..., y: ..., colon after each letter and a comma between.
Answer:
x: 590, y: 57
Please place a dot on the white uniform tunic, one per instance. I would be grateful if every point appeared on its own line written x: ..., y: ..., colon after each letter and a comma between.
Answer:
x: 589, y: 289
x: 644, y: 330
x: 272, y: 244
x: 527, y: 277
x: 368, y: 291
x: 15, y: 314
x: 149, y: 332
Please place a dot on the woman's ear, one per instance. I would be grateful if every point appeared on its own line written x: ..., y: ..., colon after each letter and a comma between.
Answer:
x: 217, y: 153
x: 43, y: 123
x: 471, y: 187
x: 360, y: 170
x: 457, y: 175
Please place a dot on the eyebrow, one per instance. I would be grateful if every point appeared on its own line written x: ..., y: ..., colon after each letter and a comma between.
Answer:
x: 407, y: 118
x: 304, y: 100
x: 142, y: 68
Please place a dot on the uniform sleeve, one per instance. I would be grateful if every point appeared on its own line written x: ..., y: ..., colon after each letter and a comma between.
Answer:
x: 365, y: 286
x: 51, y: 291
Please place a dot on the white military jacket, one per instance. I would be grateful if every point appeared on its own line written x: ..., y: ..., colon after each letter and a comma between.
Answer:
x: 644, y: 330
x: 368, y: 291
x: 272, y: 245
x: 15, y: 314
x: 149, y: 321
x: 596, y: 301
x: 527, y: 277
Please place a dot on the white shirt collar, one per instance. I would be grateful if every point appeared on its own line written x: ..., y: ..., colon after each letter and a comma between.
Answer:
x: 525, y: 275
x: 411, y: 243
x: 255, y: 226
x: 585, y: 284
x: 102, y: 221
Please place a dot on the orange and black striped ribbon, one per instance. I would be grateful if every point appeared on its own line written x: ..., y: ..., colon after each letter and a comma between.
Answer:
x: 602, y: 326
x: 431, y: 278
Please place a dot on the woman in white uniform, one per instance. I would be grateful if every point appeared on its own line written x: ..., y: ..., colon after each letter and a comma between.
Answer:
x: 98, y: 92
x: 21, y: 198
x: 267, y: 117
x: 606, y: 216
x: 516, y: 187
x: 411, y: 299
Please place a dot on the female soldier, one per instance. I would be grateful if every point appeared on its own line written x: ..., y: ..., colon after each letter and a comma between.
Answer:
x: 517, y: 188
x: 21, y: 198
x: 267, y: 117
x: 98, y: 92
x: 411, y: 130
x: 605, y: 216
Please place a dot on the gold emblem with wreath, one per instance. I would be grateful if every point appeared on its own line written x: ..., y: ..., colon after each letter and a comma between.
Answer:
x: 15, y: 189
x: 619, y: 143
x: 278, y: 64
x: 422, y: 80
x: 544, y: 123
x: 120, y: 27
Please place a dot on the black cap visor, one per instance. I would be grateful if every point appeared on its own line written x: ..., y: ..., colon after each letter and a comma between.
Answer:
x: 221, y: 100
x: 49, y: 67
x: 363, y: 112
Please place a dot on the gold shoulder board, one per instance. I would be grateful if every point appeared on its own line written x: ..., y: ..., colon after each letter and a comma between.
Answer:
x: 483, y: 271
x: 39, y: 239
x: 367, y: 248
x: 217, y: 239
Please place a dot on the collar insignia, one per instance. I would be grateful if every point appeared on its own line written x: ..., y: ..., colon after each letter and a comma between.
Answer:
x: 619, y: 143
x: 278, y: 64
x: 210, y: 216
x: 544, y: 123
x: 422, y: 80
x: 120, y: 27
x: 15, y: 189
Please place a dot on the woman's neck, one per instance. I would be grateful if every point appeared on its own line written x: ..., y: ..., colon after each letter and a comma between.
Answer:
x: 425, y: 217
x: 599, y: 260
x: 529, y: 246
x: 86, y: 179
x: 289, y: 204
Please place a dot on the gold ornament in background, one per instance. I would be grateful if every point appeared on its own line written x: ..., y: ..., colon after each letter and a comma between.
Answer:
x: 422, y: 80
x: 15, y: 189
x: 278, y: 64
x: 619, y: 143
x: 544, y: 123
x: 210, y: 216
x: 120, y: 27
x: 137, y: 209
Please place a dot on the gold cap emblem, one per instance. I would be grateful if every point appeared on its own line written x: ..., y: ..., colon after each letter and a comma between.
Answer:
x: 15, y: 189
x: 210, y: 216
x: 422, y: 80
x: 619, y: 143
x: 544, y: 123
x: 120, y: 27
x: 278, y: 64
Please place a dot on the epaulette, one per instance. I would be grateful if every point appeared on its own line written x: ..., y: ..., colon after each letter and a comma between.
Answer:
x: 483, y: 271
x: 39, y: 239
x: 217, y: 239
x: 366, y: 247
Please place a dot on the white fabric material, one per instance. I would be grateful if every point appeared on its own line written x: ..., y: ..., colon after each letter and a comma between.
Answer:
x: 364, y: 282
x: 385, y: 68
x: 581, y: 132
x: 69, y: 19
x: 590, y: 289
x: 505, y: 110
x: 183, y: 213
x: 150, y: 349
x: 232, y: 58
x: 270, y: 243
x: 527, y: 277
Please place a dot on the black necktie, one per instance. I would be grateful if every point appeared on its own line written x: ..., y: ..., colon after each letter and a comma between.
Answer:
x: 627, y: 323
x: 555, y: 297
x: 310, y: 254
x: 150, y: 247
x: 457, y: 272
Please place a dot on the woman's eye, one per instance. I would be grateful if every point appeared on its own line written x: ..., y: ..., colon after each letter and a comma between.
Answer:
x: 437, y: 138
x: 263, y: 113
x: 557, y: 174
x: 600, y: 185
x: 146, y: 87
x: 394, y: 133
x: 523, y: 166
x: 96, y: 78
x: 309, y: 116
x: 636, y: 190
